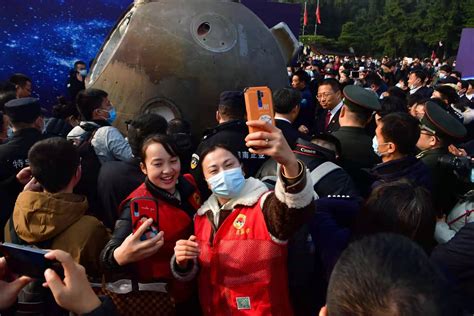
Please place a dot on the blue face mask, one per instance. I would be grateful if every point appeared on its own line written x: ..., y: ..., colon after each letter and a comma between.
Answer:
x: 112, y: 115
x: 228, y: 183
x: 9, y: 132
x: 375, y: 146
x: 83, y: 72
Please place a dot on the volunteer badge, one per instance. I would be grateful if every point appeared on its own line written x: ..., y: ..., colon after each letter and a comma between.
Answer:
x: 240, y: 221
x: 243, y: 303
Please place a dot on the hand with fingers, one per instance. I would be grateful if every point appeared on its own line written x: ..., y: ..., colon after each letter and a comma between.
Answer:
x: 186, y: 250
x: 9, y: 290
x: 24, y: 176
x: 74, y: 293
x: 270, y: 141
x: 133, y: 249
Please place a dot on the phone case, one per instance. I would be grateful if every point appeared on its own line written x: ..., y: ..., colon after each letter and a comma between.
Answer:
x: 259, y: 105
x: 141, y: 209
x: 29, y: 261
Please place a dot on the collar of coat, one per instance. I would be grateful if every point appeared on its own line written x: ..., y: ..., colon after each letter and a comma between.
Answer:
x: 250, y: 194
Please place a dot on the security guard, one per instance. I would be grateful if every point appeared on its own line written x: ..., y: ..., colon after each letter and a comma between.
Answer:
x: 27, y: 122
x: 439, y: 129
x: 231, y: 132
x: 356, y: 143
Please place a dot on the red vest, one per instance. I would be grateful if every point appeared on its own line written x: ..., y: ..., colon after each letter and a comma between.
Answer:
x: 175, y: 223
x: 242, y: 270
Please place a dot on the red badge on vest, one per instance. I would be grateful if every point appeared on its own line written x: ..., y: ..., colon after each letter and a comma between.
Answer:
x: 240, y: 221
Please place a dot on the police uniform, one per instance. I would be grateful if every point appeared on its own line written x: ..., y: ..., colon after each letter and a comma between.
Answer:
x: 14, y: 153
x: 356, y: 143
x: 446, y: 186
x: 232, y: 134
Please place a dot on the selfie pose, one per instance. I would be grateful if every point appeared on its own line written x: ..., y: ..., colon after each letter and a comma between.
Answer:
x: 170, y: 201
x: 239, y: 246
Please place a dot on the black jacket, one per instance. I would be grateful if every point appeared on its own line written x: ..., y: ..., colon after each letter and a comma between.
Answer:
x: 13, y: 158
x: 74, y: 86
x: 333, y: 125
x: 290, y: 132
x: 56, y: 127
x: 117, y: 179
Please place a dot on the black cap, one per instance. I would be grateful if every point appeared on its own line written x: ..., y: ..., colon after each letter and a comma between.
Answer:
x: 24, y: 110
x: 232, y: 99
x: 439, y: 122
x: 330, y: 72
x: 357, y: 97
x: 449, y: 80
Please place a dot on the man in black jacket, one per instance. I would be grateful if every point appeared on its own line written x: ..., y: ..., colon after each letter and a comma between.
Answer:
x: 27, y: 121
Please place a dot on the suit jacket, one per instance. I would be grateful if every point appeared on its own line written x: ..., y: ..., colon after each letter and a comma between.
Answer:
x: 289, y: 131
x: 425, y: 92
x: 321, y: 121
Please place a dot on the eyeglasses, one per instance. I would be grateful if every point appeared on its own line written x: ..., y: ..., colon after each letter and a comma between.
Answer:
x: 323, y: 95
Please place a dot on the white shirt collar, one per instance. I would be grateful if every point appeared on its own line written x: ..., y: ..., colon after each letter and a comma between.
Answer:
x: 282, y: 119
x: 469, y: 96
x: 414, y: 90
x: 336, y: 108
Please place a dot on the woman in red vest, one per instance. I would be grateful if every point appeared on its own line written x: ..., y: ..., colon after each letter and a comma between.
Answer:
x: 239, y: 246
x: 145, y: 257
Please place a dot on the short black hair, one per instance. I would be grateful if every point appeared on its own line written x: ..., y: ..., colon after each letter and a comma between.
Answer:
x: 391, y: 105
x: 302, y: 76
x: 419, y: 74
x: 464, y: 84
x: 64, y: 109
x: 214, y: 147
x: 178, y: 125
x: 373, y: 78
x: 386, y: 274
x: 456, y: 73
x: 335, y: 85
x: 141, y: 127
x: 416, y: 98
x: 400, y: 207
x: 401, y: 129
x: 88, y: 100
x: 397, y: 92
x: 448, y: 94
x: 53, y: 163
x: 19, y: 79
x: 79, y: 62
x: 285, y: 100
x: 446, y: 68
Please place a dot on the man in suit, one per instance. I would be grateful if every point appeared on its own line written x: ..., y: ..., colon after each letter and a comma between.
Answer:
x: 286, y: 103
x: 416, y: 83
x: 305, y: 120
x: 330, y: 99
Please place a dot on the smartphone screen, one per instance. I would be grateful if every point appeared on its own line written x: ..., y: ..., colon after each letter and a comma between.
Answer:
x: 24, y: 260
x: 141, y: 210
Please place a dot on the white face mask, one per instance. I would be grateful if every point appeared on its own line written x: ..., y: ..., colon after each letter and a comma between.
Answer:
x: 375, y: 146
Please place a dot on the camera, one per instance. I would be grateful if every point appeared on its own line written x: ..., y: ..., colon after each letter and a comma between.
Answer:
x: 461, y: 166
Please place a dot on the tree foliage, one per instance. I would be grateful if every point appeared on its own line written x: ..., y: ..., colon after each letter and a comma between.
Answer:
x: 391, y: 27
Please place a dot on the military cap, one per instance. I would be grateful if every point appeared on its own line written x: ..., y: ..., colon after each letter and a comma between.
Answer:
x: 439, y: 122
x: 23, y: 110
x: 358, y: 98
x: 232, y: 99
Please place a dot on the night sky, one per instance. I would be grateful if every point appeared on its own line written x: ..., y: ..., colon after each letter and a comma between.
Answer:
x: 43, y: 39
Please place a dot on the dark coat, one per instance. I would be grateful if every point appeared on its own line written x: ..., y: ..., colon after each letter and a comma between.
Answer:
x: 457, y: 256
x: 405, y: 168
x: 290, y: 132
x: 425, y: 92
x: 56, y: 127
x: 307, y: 110
x: 13, y: 158
x: 74, y: 86
x: 357, y: 155
x: 117, y: 179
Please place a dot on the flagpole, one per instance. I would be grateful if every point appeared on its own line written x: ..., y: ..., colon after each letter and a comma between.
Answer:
x: 316, y: 21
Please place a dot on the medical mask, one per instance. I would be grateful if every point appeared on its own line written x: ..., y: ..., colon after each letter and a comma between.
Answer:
x: 290, y: 73
x: 442, y: 76
x: 375, y: 147
x: 9, y: 132
x: 112, y: 115
x: 83, y: 72
x: 310, y: 73
x: 228, y: 183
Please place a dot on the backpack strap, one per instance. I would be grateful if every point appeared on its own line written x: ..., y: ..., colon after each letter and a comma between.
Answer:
x: 323, y: 170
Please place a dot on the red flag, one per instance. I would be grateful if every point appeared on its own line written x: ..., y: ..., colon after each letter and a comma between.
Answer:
x: 318, y: 14
x: 305, y: 18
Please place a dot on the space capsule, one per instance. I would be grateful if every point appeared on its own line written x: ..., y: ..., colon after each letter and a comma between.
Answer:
x: 174, y: 57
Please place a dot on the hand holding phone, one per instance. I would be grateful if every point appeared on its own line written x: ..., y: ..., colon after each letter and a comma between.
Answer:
x: 133, y: 249
x: 72, y: 292
x: 28, y: 261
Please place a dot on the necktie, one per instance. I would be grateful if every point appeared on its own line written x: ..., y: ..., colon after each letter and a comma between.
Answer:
x: 328, y: 119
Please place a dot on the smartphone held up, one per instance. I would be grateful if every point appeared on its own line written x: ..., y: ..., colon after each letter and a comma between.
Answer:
x: 259, y: 105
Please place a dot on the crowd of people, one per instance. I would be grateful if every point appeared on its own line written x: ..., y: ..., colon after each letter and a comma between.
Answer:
x: 357, y: 201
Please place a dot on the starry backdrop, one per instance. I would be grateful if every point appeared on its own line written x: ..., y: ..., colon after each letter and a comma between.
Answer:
x: 43, y: 39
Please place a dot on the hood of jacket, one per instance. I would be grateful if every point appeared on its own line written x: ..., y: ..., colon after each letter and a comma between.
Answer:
x: 40, y: 216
